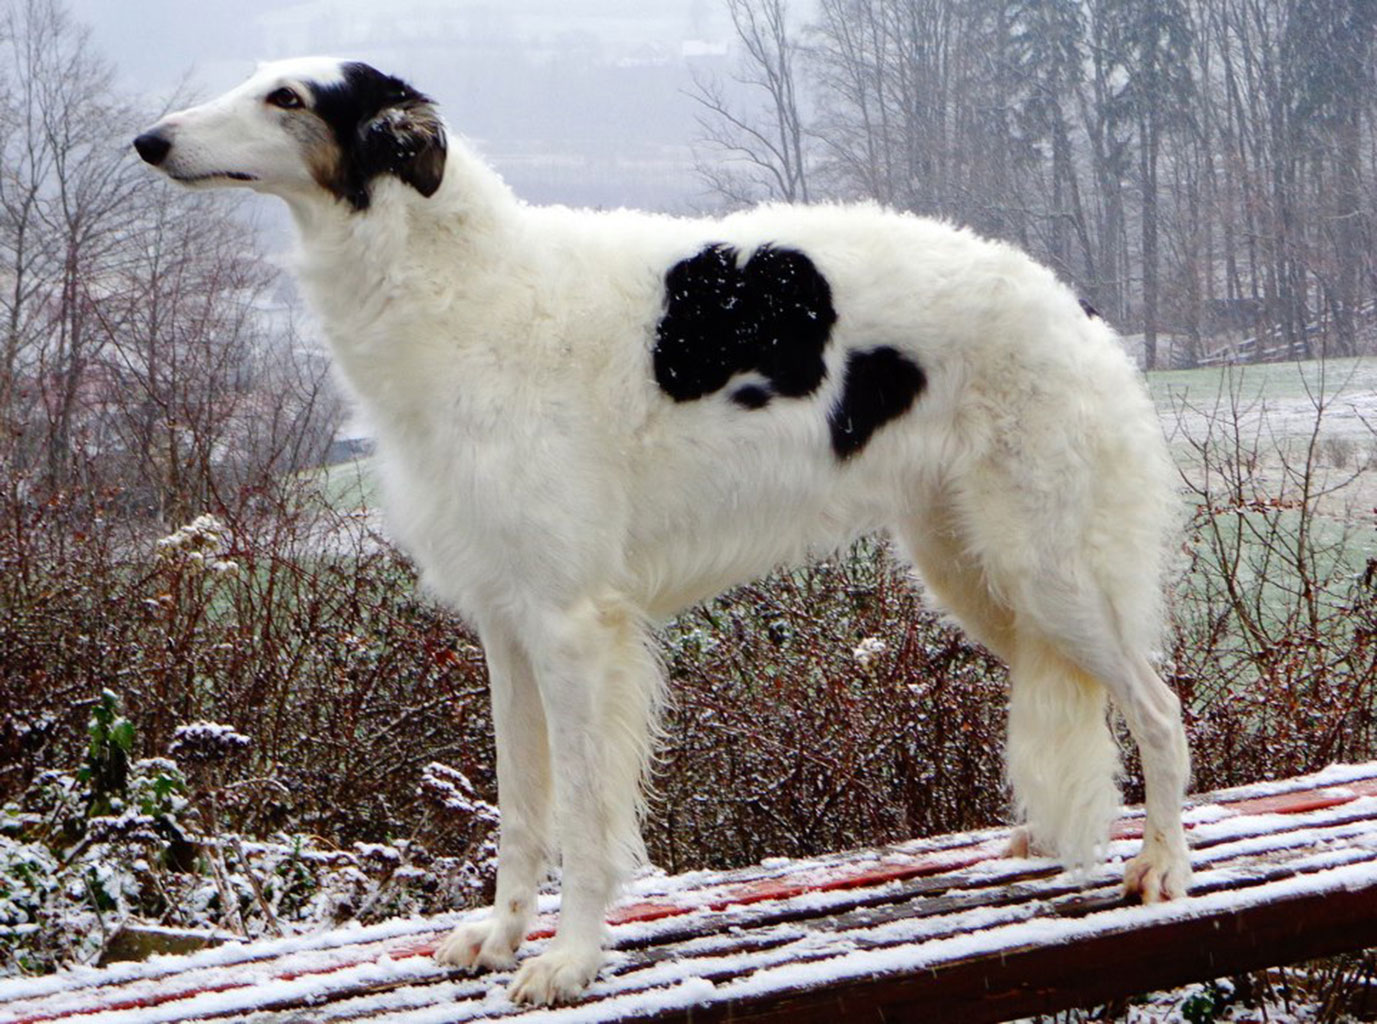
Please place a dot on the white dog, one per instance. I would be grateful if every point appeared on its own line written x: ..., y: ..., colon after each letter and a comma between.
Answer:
x: 588, y: 421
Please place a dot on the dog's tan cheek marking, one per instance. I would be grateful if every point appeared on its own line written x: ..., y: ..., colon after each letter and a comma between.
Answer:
x: 319, y: 150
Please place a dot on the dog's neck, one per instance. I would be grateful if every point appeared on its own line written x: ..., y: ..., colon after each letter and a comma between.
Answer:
x: 386, y: 280
x: 358, y: 266
x: 471, y: 201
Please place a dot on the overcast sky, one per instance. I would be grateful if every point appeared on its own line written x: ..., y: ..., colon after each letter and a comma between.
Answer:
x: 158, y: 41
x: 545, y: 88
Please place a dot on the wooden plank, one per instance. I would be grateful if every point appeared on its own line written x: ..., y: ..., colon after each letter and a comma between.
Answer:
x: 1040, y: 979
x: 719, y: 958
x: 352, y: 979
x: 728, y: 928
x: 1053, y: 898
x: 897, y: 864
x: 1011, y: 879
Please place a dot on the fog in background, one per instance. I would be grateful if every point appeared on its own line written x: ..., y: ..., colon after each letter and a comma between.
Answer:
x: 577, y: 101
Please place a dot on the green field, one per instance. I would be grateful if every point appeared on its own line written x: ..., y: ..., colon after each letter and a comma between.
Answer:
x: 1274, y: 380
x: 347, y: 486
x: 1278, y: 401
x: 1279, y: 466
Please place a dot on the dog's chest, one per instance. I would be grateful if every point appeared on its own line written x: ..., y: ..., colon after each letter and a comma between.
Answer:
x: 493, y: 494
x: 445, y: 507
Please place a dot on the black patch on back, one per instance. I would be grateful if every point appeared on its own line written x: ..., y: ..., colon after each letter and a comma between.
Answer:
x: 880, y: 385
x: 1090, y: 310
x: 382, y: 126
x: 771, y: 316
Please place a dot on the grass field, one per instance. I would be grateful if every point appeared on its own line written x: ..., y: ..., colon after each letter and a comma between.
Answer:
x: 1282, y: 399
x: 347, y: 486
x: 1283, y: 433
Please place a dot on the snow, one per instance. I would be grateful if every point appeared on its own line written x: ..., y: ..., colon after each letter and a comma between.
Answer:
x: 1325, y: 851
x: 453, y: 790
x: 1043, y: 931
x: 276, y: 950
x: 200, y: 742
x: 1336, y: 776
x: 201, y: 542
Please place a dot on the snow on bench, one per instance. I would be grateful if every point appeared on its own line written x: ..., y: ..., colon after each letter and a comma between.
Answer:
x: 942, y: 929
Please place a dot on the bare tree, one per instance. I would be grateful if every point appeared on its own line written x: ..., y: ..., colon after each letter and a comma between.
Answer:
x: 140, y: 350
x: 69, y: 201
x: 1191, y: 165
x: 1146, y: 56
x: 760, y: 152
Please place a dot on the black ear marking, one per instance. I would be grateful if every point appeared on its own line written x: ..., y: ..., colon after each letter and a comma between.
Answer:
x: 408, y: 140
x: 380, y: 125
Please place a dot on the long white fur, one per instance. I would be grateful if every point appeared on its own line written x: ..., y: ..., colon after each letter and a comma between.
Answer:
x: 556, y: 498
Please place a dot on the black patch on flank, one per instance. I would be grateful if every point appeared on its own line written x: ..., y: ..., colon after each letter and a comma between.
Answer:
x: 381, y: 126
x: 771, y: 316
x: 1090, y: 310
x: 880, y: 385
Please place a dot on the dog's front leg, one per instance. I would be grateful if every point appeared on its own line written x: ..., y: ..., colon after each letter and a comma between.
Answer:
x: 523, y: 788
x: 600, y: 685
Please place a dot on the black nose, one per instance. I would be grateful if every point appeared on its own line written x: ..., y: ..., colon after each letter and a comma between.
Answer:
x: 153, y: 147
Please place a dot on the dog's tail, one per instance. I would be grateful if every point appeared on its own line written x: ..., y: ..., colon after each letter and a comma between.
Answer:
x: 1062, y: 760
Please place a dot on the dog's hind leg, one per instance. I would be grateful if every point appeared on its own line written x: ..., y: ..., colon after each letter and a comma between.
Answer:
x: 524, y: 791
x: 1162, y: 870
x: 952, y: 575
x: 1060, y: 758
x: 1071, y: 640
x: 600, y: 683
x: 1067, y: 645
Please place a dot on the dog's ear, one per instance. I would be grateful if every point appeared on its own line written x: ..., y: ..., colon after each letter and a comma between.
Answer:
x: 407, y: 139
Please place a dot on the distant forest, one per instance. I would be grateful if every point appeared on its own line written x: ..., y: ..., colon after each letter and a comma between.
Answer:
x: 1193, y: 166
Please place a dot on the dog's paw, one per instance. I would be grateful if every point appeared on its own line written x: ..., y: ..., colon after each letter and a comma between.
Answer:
x: 559, y: 975
x: 1023, y: 845
x: 483, y: 944
x: 1158, y: 874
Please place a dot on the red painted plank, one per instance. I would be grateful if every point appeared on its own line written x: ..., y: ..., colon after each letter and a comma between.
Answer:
x: 1306, y: 799
x: 1043, y: 978
x: 852, y: 875
x: 865, y: 872
x: 848, y: 876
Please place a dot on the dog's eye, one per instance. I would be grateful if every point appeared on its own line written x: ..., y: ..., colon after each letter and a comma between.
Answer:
x: 285, y: 98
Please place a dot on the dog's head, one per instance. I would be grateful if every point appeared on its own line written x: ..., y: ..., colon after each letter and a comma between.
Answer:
x: 300, y: 125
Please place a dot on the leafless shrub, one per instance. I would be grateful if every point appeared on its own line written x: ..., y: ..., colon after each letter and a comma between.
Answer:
x: 1273, y: 650
x: 823, y: 709
x: 347, y: 683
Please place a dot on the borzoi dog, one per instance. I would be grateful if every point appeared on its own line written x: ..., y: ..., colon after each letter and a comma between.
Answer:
x: 587, y: 421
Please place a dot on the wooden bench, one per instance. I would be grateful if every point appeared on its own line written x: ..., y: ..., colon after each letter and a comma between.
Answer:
x: 942, y: 929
